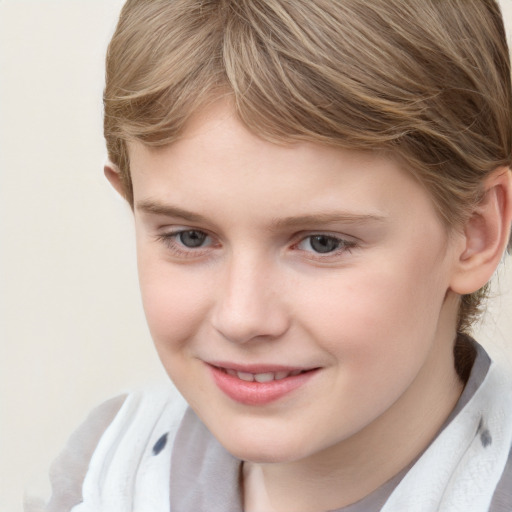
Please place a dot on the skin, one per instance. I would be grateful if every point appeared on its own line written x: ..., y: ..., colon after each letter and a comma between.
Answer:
x: 376, y: 316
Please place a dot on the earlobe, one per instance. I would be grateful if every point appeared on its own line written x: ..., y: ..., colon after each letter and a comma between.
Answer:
x: 486, y: 234
x: 113, y: 175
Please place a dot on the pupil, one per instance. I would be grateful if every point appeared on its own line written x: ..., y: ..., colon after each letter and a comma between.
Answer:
x: 192, y: 238
x: 322, y: 243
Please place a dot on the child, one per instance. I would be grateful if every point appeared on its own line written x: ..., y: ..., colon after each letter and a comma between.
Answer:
x: 321, y: 192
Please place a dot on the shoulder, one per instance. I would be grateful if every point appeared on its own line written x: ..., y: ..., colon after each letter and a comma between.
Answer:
x: 70, y: 467
x: 113, y: 437
x: 467, y: 466
x: 502, y: 498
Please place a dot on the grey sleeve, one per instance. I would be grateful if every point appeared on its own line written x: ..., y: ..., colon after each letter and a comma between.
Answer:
x: 68, y: 471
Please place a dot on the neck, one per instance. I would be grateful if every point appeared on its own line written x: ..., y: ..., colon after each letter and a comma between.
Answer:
x: 355, y: 467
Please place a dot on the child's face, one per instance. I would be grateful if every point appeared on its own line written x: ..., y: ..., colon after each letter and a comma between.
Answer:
x: 290, y: 258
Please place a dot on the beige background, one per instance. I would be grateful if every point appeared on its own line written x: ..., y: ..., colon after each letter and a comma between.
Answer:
x: 72, y: 328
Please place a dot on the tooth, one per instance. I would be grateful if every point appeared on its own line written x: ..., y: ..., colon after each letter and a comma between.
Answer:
x: 264, y: 377
x: 295, y: 372
x: 231, y: 372
x: 280, y: 375
x: 249, y: 377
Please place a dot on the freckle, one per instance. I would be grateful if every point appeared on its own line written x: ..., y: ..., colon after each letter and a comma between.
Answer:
x: 160, y: 444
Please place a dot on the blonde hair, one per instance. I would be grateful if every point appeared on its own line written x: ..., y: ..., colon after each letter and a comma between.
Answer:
x: 427, y: 80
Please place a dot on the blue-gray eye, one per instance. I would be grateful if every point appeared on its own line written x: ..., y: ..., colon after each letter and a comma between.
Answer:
x: 192, y: 238
x: 324, y: 243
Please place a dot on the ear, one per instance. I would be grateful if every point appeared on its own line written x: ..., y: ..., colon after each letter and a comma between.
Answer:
x: 113, y: 175
x: 486, y: 234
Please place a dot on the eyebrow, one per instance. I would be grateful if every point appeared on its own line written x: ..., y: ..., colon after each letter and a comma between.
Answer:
x: 157, y: 208
x: 326, y: 218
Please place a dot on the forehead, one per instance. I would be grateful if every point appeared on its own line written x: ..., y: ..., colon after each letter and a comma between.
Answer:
x: 218, y: 164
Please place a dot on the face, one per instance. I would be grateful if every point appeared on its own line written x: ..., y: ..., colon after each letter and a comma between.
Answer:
x: 296, y: 294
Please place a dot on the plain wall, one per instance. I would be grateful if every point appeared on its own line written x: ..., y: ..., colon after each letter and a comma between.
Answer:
x: 72, y: 326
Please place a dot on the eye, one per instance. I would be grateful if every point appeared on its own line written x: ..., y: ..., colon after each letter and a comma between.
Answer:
x: 186, y: 242
x: 325, y: 244
x: 191, y: 238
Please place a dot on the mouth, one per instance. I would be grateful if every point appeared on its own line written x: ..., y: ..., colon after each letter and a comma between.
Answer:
x: 261, y: 377
x: 259, y: 385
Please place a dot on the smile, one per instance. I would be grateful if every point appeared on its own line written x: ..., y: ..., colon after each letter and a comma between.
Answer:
x: 262, y: 377
x: 259, y: 387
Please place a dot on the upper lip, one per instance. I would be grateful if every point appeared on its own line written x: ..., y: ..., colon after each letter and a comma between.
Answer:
x: 258, y: 368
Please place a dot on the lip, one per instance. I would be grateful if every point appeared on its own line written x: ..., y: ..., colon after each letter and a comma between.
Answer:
x: 257, y: 368
x: 258, y: 393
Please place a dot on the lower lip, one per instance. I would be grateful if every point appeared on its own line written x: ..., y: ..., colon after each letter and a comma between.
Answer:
x: 258, y: 393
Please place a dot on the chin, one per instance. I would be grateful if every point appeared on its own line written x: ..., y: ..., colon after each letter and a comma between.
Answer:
x: 260, y: 448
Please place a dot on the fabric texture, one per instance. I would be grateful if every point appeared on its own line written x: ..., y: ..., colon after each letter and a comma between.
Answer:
x: 463, y: 466
x: 130, y: 468
x: 69, y: 469
x: 157, y: 456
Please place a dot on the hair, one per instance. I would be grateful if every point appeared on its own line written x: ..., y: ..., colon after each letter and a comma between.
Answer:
x: 427, y: 81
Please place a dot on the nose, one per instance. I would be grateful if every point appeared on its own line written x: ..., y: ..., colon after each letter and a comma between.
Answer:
x: 250, y: 303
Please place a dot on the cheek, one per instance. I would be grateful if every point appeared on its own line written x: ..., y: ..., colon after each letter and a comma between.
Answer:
x: 379, y: 313
x: 175, y: 301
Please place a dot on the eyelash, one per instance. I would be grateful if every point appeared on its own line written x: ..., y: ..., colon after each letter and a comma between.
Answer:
x: 179, y: 249
x: 343, y: 245
x: 170, y: 242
